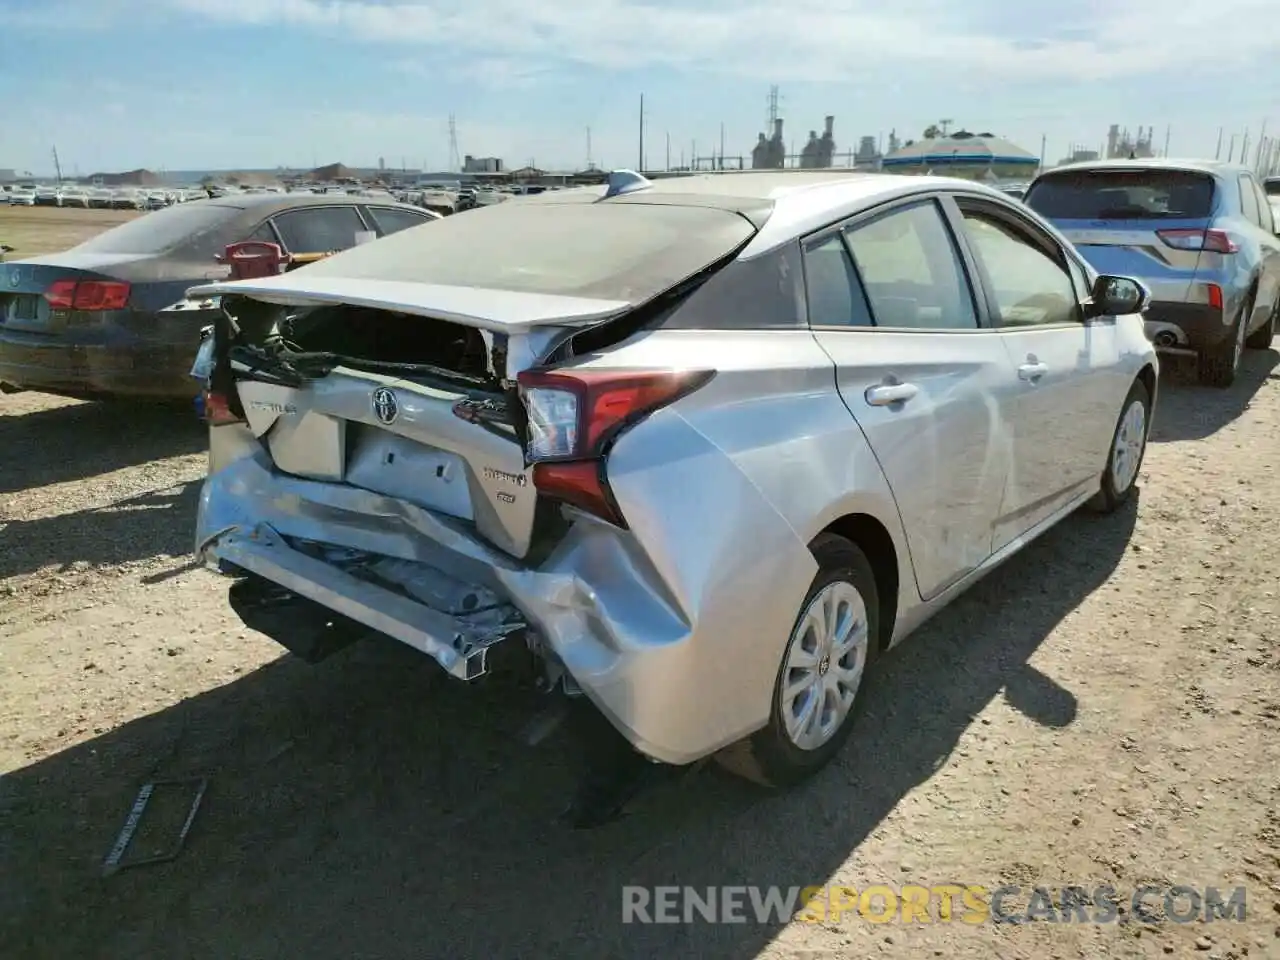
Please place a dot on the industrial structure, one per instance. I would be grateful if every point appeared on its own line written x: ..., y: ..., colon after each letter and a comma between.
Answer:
x: 963, y: 154
x: 1120, y: 146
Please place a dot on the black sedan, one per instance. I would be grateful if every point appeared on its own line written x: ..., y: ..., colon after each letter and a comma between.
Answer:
x: 99, y: 319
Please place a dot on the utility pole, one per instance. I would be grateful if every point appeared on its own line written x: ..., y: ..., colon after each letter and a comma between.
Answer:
x: 1217, y: 154
x: 641, y: 170
x: 590, y: 159
x: 1167, y: 131
x: 57, y: 167
x: 1231, y: 149
x: 722, y: 146
x: 1262, y: 138
x: 668, y: 151
x: 1044, y: 142
x: 455, y: 159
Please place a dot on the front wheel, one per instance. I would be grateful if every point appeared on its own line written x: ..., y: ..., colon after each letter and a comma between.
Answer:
x: 821, y: 676
x: 1128, y: 448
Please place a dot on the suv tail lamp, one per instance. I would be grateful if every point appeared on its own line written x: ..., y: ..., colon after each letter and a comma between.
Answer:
x: 87, y: 295
x: 574, y: 417
x: 217, y: 410
x: 1210, y: 241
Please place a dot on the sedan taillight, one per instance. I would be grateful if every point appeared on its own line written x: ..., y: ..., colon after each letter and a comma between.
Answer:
x: 87, y: 295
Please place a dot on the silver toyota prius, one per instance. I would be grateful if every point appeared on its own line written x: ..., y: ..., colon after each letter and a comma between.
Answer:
x: 695, y: 450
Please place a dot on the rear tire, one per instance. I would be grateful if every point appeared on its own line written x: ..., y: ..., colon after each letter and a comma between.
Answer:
x: 1128, y: 449
x: 831, y: 671
x: 1261, y: 339
x: 1219, y: 365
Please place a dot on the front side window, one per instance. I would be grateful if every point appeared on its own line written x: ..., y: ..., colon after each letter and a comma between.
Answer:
x: 911, y: 271
x: 1031, y: 287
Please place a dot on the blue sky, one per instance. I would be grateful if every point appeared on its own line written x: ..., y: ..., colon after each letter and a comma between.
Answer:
x: 215, y: 84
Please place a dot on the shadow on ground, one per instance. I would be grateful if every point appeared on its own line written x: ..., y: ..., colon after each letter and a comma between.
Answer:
x: 1187, y: 411
x: 368, y: 807
x: 153, y: 524
x: 69, y: 443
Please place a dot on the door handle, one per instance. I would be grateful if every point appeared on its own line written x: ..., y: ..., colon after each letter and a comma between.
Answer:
x: 1032, y: 371
x: 890, y: 393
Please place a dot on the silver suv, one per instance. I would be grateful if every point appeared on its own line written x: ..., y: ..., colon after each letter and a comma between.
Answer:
x: 699, y: 450
x: 1200, y: 234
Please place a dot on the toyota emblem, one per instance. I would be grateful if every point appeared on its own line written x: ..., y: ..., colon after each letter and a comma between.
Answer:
x: 385, y: 406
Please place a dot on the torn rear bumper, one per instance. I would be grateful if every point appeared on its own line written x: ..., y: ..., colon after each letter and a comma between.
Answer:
x: 459, y: 643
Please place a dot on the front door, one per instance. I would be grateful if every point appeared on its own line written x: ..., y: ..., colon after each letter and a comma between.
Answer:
x: 928, y: 384
x: 1070, y: 382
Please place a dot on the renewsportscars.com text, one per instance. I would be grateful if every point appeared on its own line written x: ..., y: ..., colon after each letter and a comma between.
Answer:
x: 941, y: 903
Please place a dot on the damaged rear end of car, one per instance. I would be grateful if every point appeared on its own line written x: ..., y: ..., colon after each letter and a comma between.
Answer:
x: 412, y: 439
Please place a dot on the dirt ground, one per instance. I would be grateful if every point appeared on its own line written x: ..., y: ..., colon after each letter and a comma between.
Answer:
x: 32, y: 231
x: 1102, y: 710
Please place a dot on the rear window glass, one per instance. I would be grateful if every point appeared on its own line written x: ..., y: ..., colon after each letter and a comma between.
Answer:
x: 1122, y: 195
x: 1271, y: 186
x: 186, y: 224
x: 613, y: 251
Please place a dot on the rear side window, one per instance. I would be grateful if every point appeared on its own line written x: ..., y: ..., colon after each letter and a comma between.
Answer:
x: 319, y: 229
x: 911, y: 271
x: 1248, y: 202
x: 1271, y: 186
x: 832, y: 288
x: 392, y: 220
x: 1266, y: 216
x: 1122, y: 195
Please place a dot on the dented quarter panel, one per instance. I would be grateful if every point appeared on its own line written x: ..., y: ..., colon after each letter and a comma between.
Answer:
x: 723, y: 493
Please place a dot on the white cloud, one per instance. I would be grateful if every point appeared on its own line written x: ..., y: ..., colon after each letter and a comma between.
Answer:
x: 803, y: 40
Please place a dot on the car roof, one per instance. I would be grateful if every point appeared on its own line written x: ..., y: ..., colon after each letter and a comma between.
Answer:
x: 1216, y: 167
x: 265, y: 204
x: 785, y: 205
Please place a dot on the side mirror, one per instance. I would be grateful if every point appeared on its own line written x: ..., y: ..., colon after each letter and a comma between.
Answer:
x: 1118, y: 296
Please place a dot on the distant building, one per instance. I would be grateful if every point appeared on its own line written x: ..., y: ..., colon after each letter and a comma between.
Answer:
x: 1121, y: 146
x: 868, y: 153
x: 1080, y: 155
x: 472, y: 164
x: 130, y: 178
x: 770, y: 153
x: 8, y: 176
x: 963, y: 154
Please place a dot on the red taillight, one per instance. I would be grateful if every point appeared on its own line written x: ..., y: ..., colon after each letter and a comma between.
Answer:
x: 575, y: 415
x: 217, y: 410
x: 1215, y: 296
x: 1210, y: 241
x: 88, y: 295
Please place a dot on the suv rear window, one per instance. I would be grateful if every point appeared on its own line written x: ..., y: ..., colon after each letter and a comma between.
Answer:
x: 1122, y: 195
x: 1272, y: 186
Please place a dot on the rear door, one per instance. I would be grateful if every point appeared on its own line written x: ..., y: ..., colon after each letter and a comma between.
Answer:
x: 928, y: 383
x: 1136, y: 222
x: 1070, y: 381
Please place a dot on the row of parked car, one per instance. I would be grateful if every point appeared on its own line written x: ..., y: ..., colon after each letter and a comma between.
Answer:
x: 691, y: 453
x: 124, y: 198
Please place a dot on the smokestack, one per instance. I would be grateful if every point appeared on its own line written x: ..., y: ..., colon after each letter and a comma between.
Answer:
x: 777, y: 129
x: 830, y: 123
